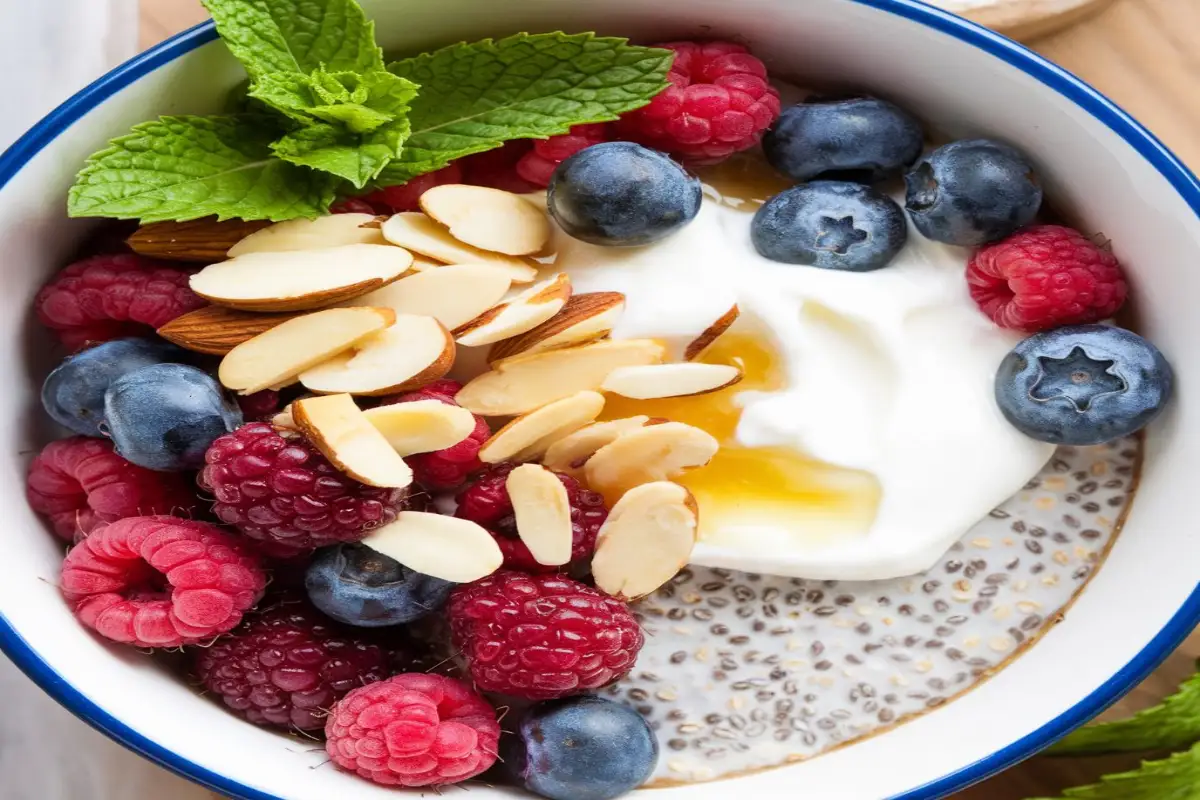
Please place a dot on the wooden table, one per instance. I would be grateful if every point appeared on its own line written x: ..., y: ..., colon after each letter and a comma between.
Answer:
x: 1141, y: 53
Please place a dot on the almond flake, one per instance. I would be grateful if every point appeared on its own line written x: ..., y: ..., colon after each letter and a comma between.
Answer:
x: 490, y: 219
x: 453, y: 295
x: 654, y: 381
x: 701, y: 343
x: 523, y: 312
x: 653, y: 453
x: 543, y: 513
x: 412, y: 352
x: 310, y: 234
x: 417, y: 232
x: 571, y: 452
x: 421, y: 426
x: 585, y: 318
x: 647, y: 539
x: 337, y: 427
x: 528, y: 436
x: 449, y: 548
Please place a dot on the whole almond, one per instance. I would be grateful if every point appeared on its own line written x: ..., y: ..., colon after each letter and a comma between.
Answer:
x: 216, y: 330
x: 200, y: 240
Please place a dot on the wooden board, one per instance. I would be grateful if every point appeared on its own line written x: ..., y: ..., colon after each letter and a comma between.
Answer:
x: 1023, y: 19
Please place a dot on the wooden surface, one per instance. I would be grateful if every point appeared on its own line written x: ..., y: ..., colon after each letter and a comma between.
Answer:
x: 1145, y: 54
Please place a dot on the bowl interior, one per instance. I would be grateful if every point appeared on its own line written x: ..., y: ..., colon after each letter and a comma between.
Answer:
x: 1095, y: 162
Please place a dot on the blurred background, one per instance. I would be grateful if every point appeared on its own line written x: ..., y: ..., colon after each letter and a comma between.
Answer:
x: 1145, y: 54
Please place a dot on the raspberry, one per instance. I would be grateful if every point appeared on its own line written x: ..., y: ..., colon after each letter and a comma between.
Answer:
x: 107, y: 297
x: 718, y: 103
x: 449, y: 468
x: 497, y: 168
x: 287, y: 665
x: 541, y: 636
x: 538, y: 165
x: 81, y: 484
x: 358, y: 205
x: 405, y: 196
x: 259, y: 404
x: 161, y: 581
x: 1046, y: 276
x: 282, y: 493
x: 486, y: 502
x: 413, y: 730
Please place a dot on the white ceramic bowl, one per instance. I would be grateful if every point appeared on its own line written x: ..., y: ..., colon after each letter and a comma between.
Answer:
x: 1113, y: 174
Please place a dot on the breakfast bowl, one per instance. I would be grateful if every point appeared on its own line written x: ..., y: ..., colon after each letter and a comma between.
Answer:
x: 1047, y: 611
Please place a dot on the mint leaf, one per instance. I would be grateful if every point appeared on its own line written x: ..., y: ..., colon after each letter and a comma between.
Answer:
x: 474, y: 97
x: 1170, y: 725
x: 357, y: 158
x: 360, y: 103
x: 273, y: 36
x: 182, y: 168
x: 1174, y: 778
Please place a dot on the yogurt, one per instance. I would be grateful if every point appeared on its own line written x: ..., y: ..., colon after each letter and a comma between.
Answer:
x: 865, y: 439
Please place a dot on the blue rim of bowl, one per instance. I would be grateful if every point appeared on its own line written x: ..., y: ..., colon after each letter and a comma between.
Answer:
x: 1058, y: 79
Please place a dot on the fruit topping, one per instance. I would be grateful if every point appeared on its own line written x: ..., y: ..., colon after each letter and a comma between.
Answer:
x: 972, y: 192
x: 1083, y: 384
x: 161, y: 581
x: 492, y: 220
x: 360, y: 586
x: 407, y: 196
x: 620, y: 194
x: 831, y: 225
x: 1045, y: 276
x: 647, y: 539
x: 259, y: 405
x: 861, y: 139
x: 449, y: 548
x: 537, y: 165
x: 541, y: 637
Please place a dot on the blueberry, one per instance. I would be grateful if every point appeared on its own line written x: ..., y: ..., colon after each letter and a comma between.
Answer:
x: 972, y: 192
x: 359, y: 586
x: 620, y: 194
x: 859, y: 138
x: 1083, y: 384
x: 73, y: 393
x: 832, y: 225
x: 165, y: 416
x: 580, y: 748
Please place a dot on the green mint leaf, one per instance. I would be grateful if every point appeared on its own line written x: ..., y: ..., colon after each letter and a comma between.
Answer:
x: 474, y: 97
x: 1170, y: 725
x: 273, y: 36
x: 357, y: 158
x: 182, y: 168
x: 1174, y: 778
x: 359, y: 103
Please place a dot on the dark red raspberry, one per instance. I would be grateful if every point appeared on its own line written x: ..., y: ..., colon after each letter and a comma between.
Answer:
x: 81, y: 483
x: 413, y: 730
x: 1046, y: 276
x: 541, y: 636
x: 538, y: 165
x: 498, y: 168
x: 281, y: 492
x: 259, y: 405
x: 161, y: 581
x: 405, y: 197
x: 288, y: 664
x: 358, y: 205
x: 718, y: 103
x: 445, y: 469
x: 107, y: 297
x: 486, y: 502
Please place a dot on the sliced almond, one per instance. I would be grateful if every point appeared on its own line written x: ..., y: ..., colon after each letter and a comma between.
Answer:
x: 417, y: 232
x: 421, y: 426
x: 698, y: 345
x: 526, y: 382
x: 528, y: 436
x: 646, y: 540
x: 585, y: 318
x: 449, y: 548
x: 652, y: 381
x: 300, y: 279
x: 522, y: 313
x: 490, y: 219
x: 572, y: 451
x: 653, y: 453
x: 276, y: 357
x: 412, y: 352
x: 284, y: 420
x: 216, y: 330
x: 310, y: 234
x: 204, y: 240
x: 543, y: 513
x: 453, y: 295
x: 338, y: 428
x: 422, y: 264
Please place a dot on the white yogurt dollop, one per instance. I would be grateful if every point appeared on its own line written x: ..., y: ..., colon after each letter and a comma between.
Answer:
x: 889, y: 372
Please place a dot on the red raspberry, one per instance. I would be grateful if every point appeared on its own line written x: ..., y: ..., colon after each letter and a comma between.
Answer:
x: 358, y: 205
x: 259, y: 405
x: 486, y: 502
x: 81, y: 484
x: 107, y: 297
x: 413, y: 730
x: 282, y: 493
x: 1045, y: 276
x: 541, y: 636
x: 405, y: 196
x: 538, y: 165
x: 449, y: 468
x: 497, y: 168
x: 718, y: 103
x: 161, y: 581
x: 287, y: 665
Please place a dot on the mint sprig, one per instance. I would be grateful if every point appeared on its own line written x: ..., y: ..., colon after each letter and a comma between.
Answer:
x: 328, y: 118
x: 1174, y: 778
